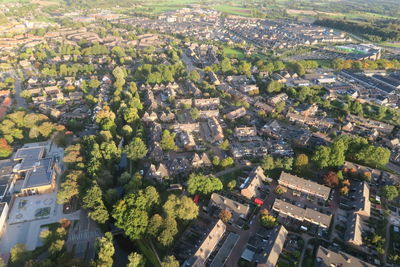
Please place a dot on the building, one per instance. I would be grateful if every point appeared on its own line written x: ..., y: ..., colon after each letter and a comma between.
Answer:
x: 3, y: 216
x: 253, y: 186
x: 235, y: 114
x: 40, y: 179
x: 329, y: 258
x: 207, y: 246
x: 285, y: 209
x: 357, y: 221
x: 270, y: 255
x: 312, y: 189
x: 206, y: 102
x: 216, y: 132
x: 245, y: 133
x: 37, y: 171
x: 237, y: 209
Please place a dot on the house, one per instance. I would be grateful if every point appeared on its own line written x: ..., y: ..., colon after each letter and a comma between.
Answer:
x: 213, y: 78
x: 307, y: 110
x: 270, y: 255
x: 286, y: 209
x: 251, y: 89
x: 205, y: 114
x: 253, y: 186
x: 206, y: 102
x: 216, y: 132
x: 187, y: 140
x: 327, y: 258
x: 357, y: 222
x: 235, y: 114
x: 312, y: 189
x: 200, y: 161
x: 245, y: 133
x: 207, y: 246
x: 237, y: 209
x: 157, y: 173
x: 278, y: 98
x: 3, y: 216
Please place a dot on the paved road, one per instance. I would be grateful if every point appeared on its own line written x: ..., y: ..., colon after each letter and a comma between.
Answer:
x: 244, y: 235
x: 20, y: 102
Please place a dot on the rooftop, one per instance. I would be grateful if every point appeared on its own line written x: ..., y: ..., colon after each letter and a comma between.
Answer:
x: 40, y: 175
x: 327, y: 258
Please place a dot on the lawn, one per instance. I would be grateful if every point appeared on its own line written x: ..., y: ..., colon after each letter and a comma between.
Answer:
x: 238, y: 11
x: 148, y: 253
x: 233, y: 52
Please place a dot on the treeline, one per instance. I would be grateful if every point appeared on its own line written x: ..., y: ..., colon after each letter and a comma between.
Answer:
x: 371, y: 31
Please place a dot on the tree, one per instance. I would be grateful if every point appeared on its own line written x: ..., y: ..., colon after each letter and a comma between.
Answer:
x: 225, y: 215
x: 169, y: 230
x: 280, y: 106
x: 194, y: 113
x: 224, y: 145
x: 93, y: 202
x: 154, y: 226
x: 169, y: 261
x: 274, y: 86
x: 280, y: 190
x: 105, y: 251
x: 231, y: 184
x: 344, y: 190
x: 331, y: 179
x: 389, y: 192
x: 321, y: 156
x: 301, y: 162
x: 267, y: 163
x: 194, y: 76
x: 167, y: 141
x: 69, y: 188
x: 226, y: 162
x: 202, y: 184
x: 5, y: 149
x: 18, y: 254
x: 266, y: 220
x: 131, y: 213
x: 183, y: 207
x: 136, y: 149
x: 136, y: 260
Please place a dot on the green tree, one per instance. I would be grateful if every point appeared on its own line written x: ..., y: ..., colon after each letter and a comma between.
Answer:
x: 194, y: 76
x: 301, y: 162
x: 321, y: 156
x: 18, y: 254
x: 389, y: 192
x: 168, y: 141
x: 154, y: 226
x: 105, y: 251
x: 267, y: 163
x: 194, y: 113
x: 93, y: 202
x: 201, y: 184
x: 131, y: 213
x: 169, y: 261
x: 181, y: 207
x: 225, y: 145
x: 136, y: 260
x: 227, y: 162
x: 168, y: 232
x: 274, y: 86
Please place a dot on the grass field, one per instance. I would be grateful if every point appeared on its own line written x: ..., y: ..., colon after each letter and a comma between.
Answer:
x: 234, y: 10
x: 233, y: 52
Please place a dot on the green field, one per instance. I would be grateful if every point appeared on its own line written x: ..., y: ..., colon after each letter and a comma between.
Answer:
x: 233, y: 10
x: 233, y: 52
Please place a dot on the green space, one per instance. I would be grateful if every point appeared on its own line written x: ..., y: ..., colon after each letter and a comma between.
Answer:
x: 148, y: 253
x: 234, y: 10
x: 233, y: 52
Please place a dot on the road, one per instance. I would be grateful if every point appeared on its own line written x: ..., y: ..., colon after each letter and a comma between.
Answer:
x: 244, y: 235
x: 20, y: 101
